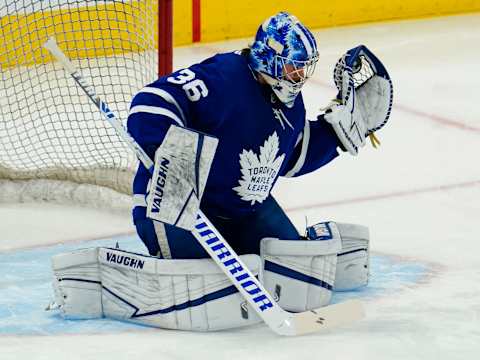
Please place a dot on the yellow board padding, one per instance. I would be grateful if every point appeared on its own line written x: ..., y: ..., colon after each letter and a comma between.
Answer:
x: 182, y: 22
x: 224, y: 19
x: 85, y: 32
x: 117, y: 27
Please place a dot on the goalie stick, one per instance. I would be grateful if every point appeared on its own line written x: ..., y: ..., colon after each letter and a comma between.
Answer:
x: 279, y: 320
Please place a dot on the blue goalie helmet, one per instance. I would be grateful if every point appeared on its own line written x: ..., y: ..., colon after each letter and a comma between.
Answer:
x: 285, y: 53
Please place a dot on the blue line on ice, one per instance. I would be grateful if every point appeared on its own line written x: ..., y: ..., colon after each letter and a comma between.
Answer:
x: 25, y: 288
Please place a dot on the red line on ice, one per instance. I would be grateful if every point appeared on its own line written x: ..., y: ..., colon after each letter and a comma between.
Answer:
x: 395, y: 194
x: 436, y: 118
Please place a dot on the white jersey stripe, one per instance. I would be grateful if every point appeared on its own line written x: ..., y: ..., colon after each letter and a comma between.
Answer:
x: 156, y: 110
x: 139, y: 200
x: 299, y: 138
x: 303, y: 154
x: 164, y: 95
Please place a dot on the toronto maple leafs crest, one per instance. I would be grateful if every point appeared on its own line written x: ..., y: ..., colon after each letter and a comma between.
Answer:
x: 259, y: 172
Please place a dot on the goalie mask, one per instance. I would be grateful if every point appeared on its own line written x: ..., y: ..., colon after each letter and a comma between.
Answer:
x: 285, y: 53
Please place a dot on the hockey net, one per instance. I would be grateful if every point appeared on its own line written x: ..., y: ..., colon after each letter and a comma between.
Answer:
x: 50, y: 132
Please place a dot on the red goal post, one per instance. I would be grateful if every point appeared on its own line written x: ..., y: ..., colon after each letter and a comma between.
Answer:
x: 165, y: 41
x: 49, y: 130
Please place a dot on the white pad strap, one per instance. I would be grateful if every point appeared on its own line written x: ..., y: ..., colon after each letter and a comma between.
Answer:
x: 300, y: 273
x: 182, y: 164
x: 172, y: 294
x: 353, y: 264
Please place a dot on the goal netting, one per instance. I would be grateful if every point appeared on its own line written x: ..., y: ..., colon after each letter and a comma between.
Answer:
x: 49, y: 129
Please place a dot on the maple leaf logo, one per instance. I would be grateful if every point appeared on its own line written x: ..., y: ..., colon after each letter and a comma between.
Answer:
x: 259, y: 172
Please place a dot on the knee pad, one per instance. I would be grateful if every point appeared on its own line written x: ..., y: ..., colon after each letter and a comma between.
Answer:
x: 353, y: 264
x: 172, y: 294
x: 300, y: 274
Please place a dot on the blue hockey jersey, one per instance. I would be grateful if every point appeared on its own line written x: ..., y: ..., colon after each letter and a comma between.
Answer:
x: 260, y: 139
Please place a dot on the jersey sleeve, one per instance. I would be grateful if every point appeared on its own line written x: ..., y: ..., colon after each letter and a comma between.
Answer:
x: 184, y: 98
x: 153, y: 109
x: 316, y: 146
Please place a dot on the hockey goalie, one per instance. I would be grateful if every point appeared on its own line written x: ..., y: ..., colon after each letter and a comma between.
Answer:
x: 221, y: 133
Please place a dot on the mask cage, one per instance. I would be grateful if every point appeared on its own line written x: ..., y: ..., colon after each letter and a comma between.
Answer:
x: 302, y: 69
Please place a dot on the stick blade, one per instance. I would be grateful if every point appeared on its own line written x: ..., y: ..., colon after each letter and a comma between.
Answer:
x: 327, y: 317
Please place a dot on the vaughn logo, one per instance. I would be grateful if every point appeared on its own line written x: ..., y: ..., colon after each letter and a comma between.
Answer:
x: 160, y: 185
x: 125, y: 260
x: 259, y: 172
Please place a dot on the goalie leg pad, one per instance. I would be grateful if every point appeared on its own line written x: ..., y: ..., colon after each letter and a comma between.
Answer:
x: 76, y: 284
x: 353, y: 264
x: 300, y: 273
x: 172, y: 294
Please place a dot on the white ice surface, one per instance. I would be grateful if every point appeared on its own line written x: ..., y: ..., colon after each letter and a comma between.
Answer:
x: 419, y: 194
